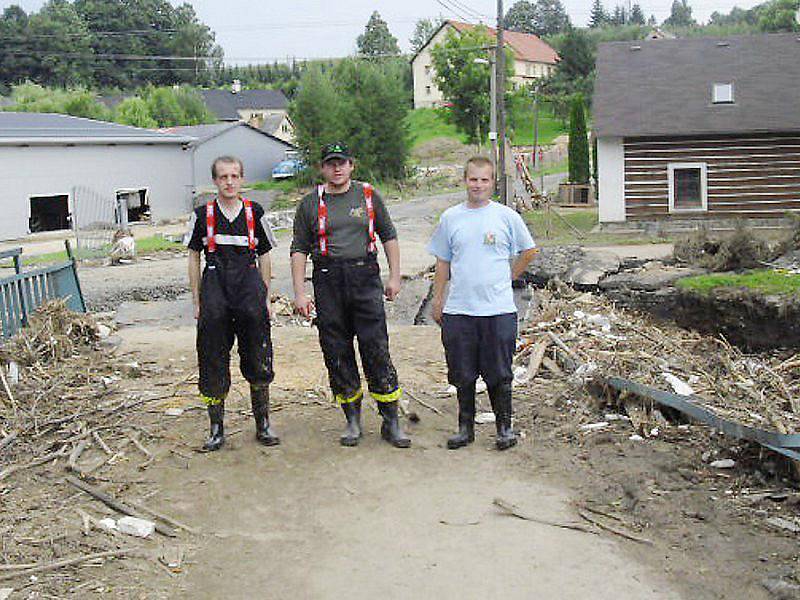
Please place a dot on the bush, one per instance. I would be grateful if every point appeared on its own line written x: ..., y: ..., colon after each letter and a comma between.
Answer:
x: 742, y: 250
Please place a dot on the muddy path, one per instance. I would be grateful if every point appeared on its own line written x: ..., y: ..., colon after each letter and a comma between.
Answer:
x: 311, y: 519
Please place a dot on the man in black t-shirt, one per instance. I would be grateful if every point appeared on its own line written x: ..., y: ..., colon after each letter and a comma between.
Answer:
x: 338, y: 225
x: 231, y: 299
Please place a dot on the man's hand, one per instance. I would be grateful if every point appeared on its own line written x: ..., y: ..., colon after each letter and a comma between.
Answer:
x: 304, y: 305
x: 437, y: 307
x: 196, y: 311
x: 392, y: 288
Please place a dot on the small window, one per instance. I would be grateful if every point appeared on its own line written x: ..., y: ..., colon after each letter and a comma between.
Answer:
x: 723, y: 93
x: 427, y: 69
x: 427, y: 89
x: 687, y: 187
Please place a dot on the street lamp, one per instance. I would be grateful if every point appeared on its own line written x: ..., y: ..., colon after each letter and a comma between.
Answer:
x: 493, y: 93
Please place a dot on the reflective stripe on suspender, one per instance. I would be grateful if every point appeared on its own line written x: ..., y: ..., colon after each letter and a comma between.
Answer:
x: 211, y: 225
x: 322, y: 220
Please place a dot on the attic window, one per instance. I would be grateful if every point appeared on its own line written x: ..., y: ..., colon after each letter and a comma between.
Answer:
x: 723, y: 93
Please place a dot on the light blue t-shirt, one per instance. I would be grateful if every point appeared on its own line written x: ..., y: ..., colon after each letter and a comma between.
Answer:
x: 479, y: 244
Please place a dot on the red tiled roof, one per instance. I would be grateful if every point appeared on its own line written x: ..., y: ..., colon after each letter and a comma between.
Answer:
x: 526, y: 46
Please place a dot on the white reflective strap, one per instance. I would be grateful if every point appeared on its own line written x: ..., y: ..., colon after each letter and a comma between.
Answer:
x: 233, y: 240
x: 187, y: 237
x: 268, y: 230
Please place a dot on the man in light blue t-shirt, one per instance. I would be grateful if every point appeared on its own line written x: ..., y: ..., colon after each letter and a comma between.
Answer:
x: 474, y: 244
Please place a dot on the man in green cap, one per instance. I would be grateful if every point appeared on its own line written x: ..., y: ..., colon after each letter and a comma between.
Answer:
x: 338, y: 226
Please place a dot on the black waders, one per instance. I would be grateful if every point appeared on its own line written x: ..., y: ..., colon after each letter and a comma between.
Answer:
x: 259, y: 399
x: 390, y: 428
x: 352, y: 434
x: 217, y: 437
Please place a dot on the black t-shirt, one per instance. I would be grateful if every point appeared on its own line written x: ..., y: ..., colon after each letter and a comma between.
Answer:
x: 231, y: 236
x: 348, y: 223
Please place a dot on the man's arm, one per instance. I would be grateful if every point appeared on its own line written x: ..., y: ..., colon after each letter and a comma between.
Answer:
x: 265, y: 268
x: 302, y: 302
x: 440, y: 278
x: 522, y: 261
x: 194, y: 280
x: 392, y: 251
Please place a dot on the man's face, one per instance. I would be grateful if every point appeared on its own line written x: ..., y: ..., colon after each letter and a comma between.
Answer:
x: 337, y: 171
x: 480, y: 182
x: 228, y: 180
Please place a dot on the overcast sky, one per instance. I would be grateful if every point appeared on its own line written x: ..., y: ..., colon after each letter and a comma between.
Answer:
x: 279, y: 29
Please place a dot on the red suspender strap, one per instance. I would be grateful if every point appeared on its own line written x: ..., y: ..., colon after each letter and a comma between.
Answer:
x: 251, y: 224
x: 372, y: 246
x: 211, y: 227
x: 322, y: 221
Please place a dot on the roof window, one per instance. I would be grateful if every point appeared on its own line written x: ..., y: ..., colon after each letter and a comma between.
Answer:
x: 723, y: 93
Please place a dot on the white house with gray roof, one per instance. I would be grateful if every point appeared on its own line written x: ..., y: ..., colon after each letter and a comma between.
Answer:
x: 45, y: 158
x: 258, y: 150
x: 698, y: 128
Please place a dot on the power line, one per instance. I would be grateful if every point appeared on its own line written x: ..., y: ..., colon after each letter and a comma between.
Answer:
x: 470, y: 10
x: 452, y: 10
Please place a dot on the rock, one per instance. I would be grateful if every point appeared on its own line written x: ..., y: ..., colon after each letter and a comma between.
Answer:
x: 174, y: 412
x: 725, y: 463
x: 5, y: 593
x: 136, y: 527
x: 484, y: 418
x: 103, y: 331
x: 594, y: 426
x: 784, y: 524
x: 781, y: 590
x: 654, y: 276
x: 594, y: 266
x: 108, y: 524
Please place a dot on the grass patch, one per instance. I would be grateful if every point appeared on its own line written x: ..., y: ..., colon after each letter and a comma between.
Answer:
x: 428, y: 123
x: 144, y: 246
x: 765, y: 281
x: 550, y: 230
x: 549, y: 128
x: 561, y: 167
x: 281, y: 185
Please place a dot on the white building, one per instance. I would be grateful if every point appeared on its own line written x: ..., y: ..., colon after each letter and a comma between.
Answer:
x: 258, y: 150
x: 45, y: 158
x: 533, y: 59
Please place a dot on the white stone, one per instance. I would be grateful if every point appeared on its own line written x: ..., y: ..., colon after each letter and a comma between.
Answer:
x: 108, y: 523
x: 725, y: 463
x: 137, y: 527
x: 484, y: 418
x: 174, y: 411
x: 594, y: 426
x: 5, y: 593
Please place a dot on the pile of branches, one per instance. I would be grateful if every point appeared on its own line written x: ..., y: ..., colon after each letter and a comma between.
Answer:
x: 582, y: 339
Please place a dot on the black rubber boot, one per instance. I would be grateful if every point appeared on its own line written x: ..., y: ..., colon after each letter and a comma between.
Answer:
x: 259, y: 400
x: 352, y: 434
x: 466, y: 418
x: 500, y: 397
x: 217, y: 437
x: 390, y: 428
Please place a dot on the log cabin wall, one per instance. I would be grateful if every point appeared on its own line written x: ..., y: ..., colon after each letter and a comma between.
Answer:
x: 746, y: 176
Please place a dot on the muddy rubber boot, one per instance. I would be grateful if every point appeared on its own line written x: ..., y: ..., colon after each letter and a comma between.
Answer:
x: 390, y: 428
x: 259, y: 400
x: 500, y: 397
x: 466, y: 418
x: 352, y: 434
x: 217, y: 437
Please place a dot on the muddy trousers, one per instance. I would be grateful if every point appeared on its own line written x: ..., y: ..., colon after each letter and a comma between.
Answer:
x: 233, y: 305
x: 349, y: 298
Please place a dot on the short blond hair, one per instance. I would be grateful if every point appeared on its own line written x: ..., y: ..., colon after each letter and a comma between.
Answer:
x: 231, y: 160
x: 479, y: 160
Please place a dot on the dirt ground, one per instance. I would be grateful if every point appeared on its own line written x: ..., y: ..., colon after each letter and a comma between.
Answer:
x: 311, y: 519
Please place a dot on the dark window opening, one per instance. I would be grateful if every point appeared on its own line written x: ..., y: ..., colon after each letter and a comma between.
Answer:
x: 137, y: 204
x: 49, y: 213
x: 688, y: 188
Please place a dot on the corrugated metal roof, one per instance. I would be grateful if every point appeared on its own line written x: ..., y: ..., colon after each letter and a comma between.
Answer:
x: 664, y: 87
x: 19, y: 128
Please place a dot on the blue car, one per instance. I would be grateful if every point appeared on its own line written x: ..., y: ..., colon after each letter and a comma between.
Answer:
x: 288, y: 168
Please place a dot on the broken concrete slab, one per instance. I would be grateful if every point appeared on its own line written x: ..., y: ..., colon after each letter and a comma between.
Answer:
x: 595, y: 265
x: 651, y: 277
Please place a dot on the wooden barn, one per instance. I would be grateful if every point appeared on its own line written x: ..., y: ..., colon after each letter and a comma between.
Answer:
x: 698, y: 128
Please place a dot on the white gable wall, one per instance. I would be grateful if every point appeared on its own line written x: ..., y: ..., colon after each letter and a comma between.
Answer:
x: 611, y: 179
x: 164, y: 169
x: 258, y: 152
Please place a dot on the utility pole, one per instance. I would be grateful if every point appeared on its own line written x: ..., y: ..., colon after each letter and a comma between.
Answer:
x: 500, y: 63
x: 493, y: 102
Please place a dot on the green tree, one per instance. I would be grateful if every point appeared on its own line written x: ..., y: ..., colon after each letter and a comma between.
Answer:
x: 163, y: 106
x: 423, y: 31
x: 193, y: 108
x: 377, y: 41
x: 316, y: 111
x: 779, y: 15
x: 61, y: 45
x: 637, y: 15
x: 680, y: 15
x: 32, y: 97
x: 16, y: 60
x: 578, y: 143
x: 577, y: 55
x: 542, y: 17
x: 619, y: 17
x: 81, y: 103
x: 134, y: 111
x: 598, y: 17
